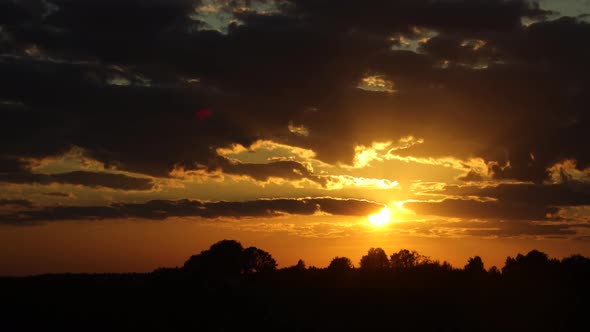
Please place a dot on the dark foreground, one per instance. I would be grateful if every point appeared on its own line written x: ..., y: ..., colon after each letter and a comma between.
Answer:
x: 298, y: 300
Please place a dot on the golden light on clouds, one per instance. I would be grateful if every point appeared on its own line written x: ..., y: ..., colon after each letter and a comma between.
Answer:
x: 377, y: 83
x: 410, y: 123
x: 412, y: 41
x: 474, y: 44
x: 343, y: 181
x: 365, y: 155
x: 298, y: 130
x: 380, y: 151
x: 265, y: 146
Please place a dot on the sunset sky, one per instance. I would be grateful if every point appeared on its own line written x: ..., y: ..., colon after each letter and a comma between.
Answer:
x: 135, y: 133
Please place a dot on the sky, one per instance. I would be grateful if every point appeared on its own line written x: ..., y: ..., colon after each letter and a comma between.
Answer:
x: 136, y: 133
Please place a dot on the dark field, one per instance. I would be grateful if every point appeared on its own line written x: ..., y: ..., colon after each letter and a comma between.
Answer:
x: 532, y: 294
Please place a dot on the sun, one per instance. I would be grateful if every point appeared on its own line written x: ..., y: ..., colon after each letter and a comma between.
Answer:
x: 381, y: 218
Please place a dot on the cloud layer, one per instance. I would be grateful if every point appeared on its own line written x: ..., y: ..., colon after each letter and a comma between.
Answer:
x: 489, y: 86
x: 152, y: 89
x: 162, y: 209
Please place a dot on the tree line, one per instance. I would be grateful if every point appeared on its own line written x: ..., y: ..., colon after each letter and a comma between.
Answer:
x: 231, y: 288
x: 228, y: 258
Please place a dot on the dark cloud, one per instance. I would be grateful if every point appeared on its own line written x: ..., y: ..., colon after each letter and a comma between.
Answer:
x: 162, y: 209
x: 16, y: 202
x: 282, y: 169
x: 511, y: 201
x: 471, y: 176
x: 58, y: 194
x: 493, y: 228
x: 84, y: 178
x: 118, y: 31
x: 11, y: 165
x: 111, y: 78
x: 456, y: 49
x: 85, y: 111
x: 13, y: 170
x: 387, y: 16
x: 472, y: 209
x: 572, y: 193
x: 517, y: 229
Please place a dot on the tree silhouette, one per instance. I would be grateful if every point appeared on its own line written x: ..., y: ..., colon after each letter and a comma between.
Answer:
x: 222, y: 294
x: 495, y: 272
x: 375, y: 260
x: 406, y: 259
x: 340, y: 264
x: 446, y: 266
x: 511, y: 264
x: 300, y: 266
x: 257, y: 260
x: 576, y: 261
x: 475, y: 265
x: 536, y: 258
x: 223, y: 258
x: 533, y: 263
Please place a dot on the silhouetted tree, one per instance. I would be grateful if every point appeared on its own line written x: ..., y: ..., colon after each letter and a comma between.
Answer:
x: 375, y: 260
x: 446, y: 266
x: 576, y: 260
x: 257, y: 260
x: 406, y: 259
x: 495, y: 272
x: 510, y: 265
x: 535, y: 263
x: 340, y: 264
x: 167, y: 274
x: 475, y: 265
x: 550, y: 298
x: 536, y: 258
x: 223, y: 258
x: 576, y: 267
x: 300, y: 265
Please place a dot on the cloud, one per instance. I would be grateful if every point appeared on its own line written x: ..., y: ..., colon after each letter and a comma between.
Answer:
x: 384, y: 16
x: 58, y: 194
x: 16, y: 202
x: 84, y: 178
x: 489, y: 228
x: 162, y: 209
x: 506, y: 201
x: 472, y: 209
x: 527, y: 98
x: 79, y: 111
x: 471, y: 176
x: 571, y: 193
x: 282, y: 169
x: 519, y: 229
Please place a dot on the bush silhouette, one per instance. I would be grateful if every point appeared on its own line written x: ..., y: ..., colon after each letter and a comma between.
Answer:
x: 223, y: 258
x: 257, y: 260
x: 494, y: 272
x: 228, y: 258
x: 340, y: 264
x: 374, y: 260
x: 406, y: 259
x: 475, y: 265
x: 229, y: 288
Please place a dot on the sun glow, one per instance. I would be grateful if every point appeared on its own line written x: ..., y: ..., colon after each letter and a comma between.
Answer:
x: 381, y: 218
